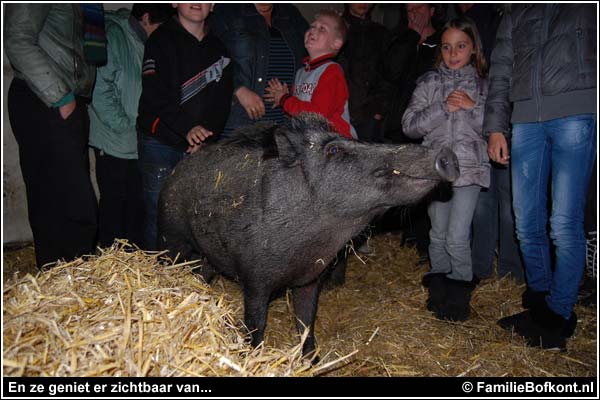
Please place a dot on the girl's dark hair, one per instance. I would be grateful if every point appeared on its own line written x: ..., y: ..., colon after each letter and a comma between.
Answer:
x: 466, y: 25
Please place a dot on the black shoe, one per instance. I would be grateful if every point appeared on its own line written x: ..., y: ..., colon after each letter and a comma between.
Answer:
x: 458, y: 299
x: 436, y: 283
x: 541, y: 327
x: 549, y: 320
x: 508, y: 323
x: 531, y: 298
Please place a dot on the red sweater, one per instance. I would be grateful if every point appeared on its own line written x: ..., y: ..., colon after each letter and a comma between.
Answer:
x: 320, y: 87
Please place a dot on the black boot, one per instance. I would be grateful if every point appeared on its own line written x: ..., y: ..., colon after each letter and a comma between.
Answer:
x: 549, y: 320
x: 531, y: 298
x: 458, y: 299
x: 436, y: 283
x: 541, y: 327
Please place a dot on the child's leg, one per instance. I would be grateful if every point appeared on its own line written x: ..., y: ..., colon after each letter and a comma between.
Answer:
x: 439, y: 212
x: 461, y: 210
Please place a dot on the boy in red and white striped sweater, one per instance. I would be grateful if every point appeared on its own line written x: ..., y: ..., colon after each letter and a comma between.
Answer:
x: 320, y: 86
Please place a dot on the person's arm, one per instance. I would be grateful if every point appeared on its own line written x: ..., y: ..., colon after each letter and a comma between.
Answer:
x: 422, y: 115
x: 496, y: 123
x: 223, y: 26
x: 22, y: 26
x: 106, y: 99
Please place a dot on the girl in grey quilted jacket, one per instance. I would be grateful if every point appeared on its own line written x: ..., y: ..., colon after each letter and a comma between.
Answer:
x: 446, y: 109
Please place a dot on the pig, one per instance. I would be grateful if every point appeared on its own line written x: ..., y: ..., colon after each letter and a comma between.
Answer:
x: 271, y: 206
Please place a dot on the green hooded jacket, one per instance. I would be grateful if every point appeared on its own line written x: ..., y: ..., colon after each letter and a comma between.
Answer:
x: 114, y: 106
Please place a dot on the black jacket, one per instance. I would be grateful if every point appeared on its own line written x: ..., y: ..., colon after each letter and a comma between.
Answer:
x: 544, y: 61
x: 175, y: 93
x: 407, y: 60
x: 362, y: 59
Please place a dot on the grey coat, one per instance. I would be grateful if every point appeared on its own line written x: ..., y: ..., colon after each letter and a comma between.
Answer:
x: 427, y: 116
x: 543, y: 63
x: 44, y: 43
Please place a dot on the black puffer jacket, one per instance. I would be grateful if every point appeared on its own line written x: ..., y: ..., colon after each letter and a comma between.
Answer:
x: 544, y: 61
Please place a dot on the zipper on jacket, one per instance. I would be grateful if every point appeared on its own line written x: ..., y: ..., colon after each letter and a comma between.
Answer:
x: 579, y: 42
x: 537, y: 95
x: 73, y: 44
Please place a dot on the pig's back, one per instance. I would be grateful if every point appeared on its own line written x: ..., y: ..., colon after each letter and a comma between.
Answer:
x: 213, y: 198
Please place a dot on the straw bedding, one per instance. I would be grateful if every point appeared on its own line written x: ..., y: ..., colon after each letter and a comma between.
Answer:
x: 126, y: 312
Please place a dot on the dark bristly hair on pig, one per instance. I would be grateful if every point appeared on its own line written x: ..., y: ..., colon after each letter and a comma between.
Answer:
x: 262, y: 135
x: 272, y: 206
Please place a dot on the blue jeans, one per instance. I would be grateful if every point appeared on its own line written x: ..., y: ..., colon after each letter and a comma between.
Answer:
x: 450, y: 234
x: 560, y: 152
x: 156, y: 161
x: 494, y: 222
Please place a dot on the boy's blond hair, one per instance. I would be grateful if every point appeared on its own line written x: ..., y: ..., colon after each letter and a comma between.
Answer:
x: 340, y: 24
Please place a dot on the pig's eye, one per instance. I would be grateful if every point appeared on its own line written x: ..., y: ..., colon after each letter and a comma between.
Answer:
x: 333, y: 149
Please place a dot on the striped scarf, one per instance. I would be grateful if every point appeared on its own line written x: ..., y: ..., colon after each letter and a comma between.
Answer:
x: 94, y: 35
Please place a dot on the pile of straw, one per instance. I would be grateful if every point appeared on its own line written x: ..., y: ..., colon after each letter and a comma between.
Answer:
x: 128, y: 312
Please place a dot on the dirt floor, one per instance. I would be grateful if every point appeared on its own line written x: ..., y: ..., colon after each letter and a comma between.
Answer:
x: 380, y: 312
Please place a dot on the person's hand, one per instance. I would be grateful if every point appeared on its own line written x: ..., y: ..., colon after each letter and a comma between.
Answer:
x: 275, y: 91
x: 378, y: 117
x: 458, y: 99
x: 195, y: 148
x: 66, y: 110
x: 498, y: 148
x: 252, y: 103
x: 196, y: 137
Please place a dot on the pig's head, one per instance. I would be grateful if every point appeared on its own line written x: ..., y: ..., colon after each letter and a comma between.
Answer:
x: 354, y: 179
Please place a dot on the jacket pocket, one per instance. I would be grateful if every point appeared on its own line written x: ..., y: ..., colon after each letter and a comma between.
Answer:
x: 584, y: 46
x: 471, y: 153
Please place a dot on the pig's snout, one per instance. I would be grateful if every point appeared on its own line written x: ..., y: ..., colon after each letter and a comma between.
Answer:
x: 446, y: 165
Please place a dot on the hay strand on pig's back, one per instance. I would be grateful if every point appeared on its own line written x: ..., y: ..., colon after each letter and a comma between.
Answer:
x: 129, y: 313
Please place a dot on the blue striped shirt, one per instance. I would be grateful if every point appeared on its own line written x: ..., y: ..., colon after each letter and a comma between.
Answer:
x: 281, y: 66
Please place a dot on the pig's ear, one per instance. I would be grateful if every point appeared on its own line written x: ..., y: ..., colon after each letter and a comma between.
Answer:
x: 290, y: 145
x: 306, y: 122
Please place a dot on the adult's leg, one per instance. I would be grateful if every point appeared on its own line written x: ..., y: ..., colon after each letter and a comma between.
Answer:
x: 573, y: 154
x: 77, y: 204
x: 485, y: 228
x: 112, y: 184
x: 509, y: 255
x: 531, y: 151
x: 55, y: 165
x: 134, y: 200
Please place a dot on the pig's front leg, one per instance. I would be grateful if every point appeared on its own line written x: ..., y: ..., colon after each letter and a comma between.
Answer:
x: 256, y: 302
x: 306, y: 299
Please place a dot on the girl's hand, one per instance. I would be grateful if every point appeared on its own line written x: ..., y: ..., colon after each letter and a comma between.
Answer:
x: 458, y: 99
